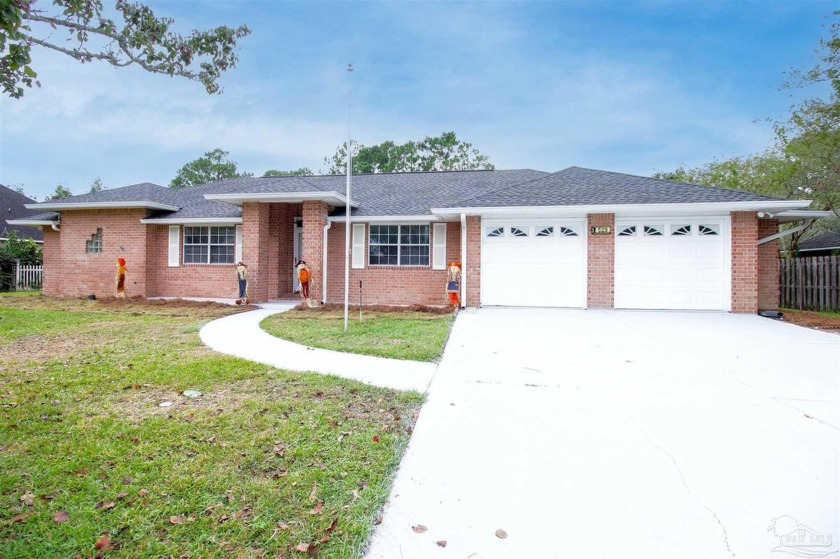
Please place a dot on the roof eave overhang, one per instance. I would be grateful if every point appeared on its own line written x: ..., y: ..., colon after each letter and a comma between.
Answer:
x: 622, y: 210
x: 800, y: 249
x: 63, y: 206
x: 193, y: 221
x: 32, y: 222
x: 237, y: 198
x: 799, y: 215
x: 385, y: 218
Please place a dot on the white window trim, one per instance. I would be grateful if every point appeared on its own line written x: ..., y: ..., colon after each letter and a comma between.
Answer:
x: 208, y: 245
x: 399, y: 252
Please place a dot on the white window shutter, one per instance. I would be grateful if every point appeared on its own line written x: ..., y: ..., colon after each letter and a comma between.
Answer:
x: 174, y: 246
x: 439, y: 247
x: 358, y: 245
x: 238, y: 250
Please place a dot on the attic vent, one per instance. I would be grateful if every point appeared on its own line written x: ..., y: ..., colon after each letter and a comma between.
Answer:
x: 94, y: 245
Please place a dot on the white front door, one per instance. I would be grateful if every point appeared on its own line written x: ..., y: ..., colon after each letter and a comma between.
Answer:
x: 298, y: 247
x: 675, y: 263
x: 533, y: 262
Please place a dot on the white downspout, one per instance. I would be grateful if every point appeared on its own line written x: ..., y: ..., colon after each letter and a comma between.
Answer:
x: 324, y: 265
x: 55, y: 227
x: 464, y: 260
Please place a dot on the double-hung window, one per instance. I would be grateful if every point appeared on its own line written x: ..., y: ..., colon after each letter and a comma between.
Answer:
x: 399, y: 245
x: 209, y: 245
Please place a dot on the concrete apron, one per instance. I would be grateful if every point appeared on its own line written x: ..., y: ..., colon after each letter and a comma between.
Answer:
x: 619, y: 434
x: 240, y: 335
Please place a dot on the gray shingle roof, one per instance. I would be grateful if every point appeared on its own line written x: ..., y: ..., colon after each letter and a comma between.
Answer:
x: 12, y: 206
x: 577, y: 186
x: 402, y: 194
x: 826, y: 241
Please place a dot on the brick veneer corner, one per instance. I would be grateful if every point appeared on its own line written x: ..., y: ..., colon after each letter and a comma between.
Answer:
x: 473, y: 261
x: 744, y: 262
x: 768, y: 266
x: 314, y: 219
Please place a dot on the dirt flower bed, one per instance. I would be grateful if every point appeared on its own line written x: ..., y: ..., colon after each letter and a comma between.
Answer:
x: 813, y: 319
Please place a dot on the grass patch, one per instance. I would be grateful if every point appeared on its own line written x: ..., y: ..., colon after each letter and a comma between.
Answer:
x: 417, y: 335
x: 263, y: 461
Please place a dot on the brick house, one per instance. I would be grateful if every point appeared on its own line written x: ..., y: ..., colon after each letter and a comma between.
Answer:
x: 575, y: 238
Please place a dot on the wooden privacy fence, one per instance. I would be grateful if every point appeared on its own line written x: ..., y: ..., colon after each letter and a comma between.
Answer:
x: 28, y: 277
x: 810, y: 283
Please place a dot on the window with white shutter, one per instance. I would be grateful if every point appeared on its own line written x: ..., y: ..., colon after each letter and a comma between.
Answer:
x: 358, y: 245
x: 439, y: 247
x: 174, y: 246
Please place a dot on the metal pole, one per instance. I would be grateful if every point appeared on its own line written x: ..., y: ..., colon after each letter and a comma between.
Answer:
x: 360, y: 300
x: 347, y: 206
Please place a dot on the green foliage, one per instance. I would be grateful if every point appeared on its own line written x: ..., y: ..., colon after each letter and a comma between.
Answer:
x: 60, y: 192
x: 13, y: 250
x: 141, y: 38
x: 96, y: 186
x: 303, y: 171
x: 214, y: 166
x: 20, y: 189
x: 440, y: 153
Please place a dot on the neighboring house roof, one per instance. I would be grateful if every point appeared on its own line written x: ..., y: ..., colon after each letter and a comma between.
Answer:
x: 827, y: 241
x: 413, y: 194
x: 13, y: 206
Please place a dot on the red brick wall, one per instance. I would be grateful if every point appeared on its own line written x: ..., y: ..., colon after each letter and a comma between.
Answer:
x: 52, y: 262
x: 255, y: 248
x: 389, y: 285
x: 187, y: 280
x: 744, y: 262
x: 473, y: 298
x: 314, y: 220
x: 74, y: 272
x: 768, y: 266
x: 600, y: 273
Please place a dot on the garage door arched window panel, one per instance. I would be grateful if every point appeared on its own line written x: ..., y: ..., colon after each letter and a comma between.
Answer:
x: 399, y: 245
x: 545, y: 231
x: 518, y: 231
x: 495, y: 231
x: 709, y: 229
x: 680, y: 230
x: 628, y: 231
x: 567, y: 232
x: 653, y: 230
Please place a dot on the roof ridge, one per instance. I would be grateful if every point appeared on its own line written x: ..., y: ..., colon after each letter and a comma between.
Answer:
x: 519, y: 184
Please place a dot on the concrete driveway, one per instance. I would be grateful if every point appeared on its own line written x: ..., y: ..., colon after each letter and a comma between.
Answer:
x: 622, y: 434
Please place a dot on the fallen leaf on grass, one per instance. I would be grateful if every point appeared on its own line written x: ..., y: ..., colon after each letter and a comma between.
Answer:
x: 441, y: 543
x: 309, y: 549
x: 28, y: 499
x: 501, y: 534
x: 61, y: 516
x: 105, y: 505
x: 332, y: 526
x: 142, y: 492
x: 283, y: 526
x: 20, y: 517
x: 104, y: 542
x: 355, y: 495
x: 376, y: 438
x: 121, y: 495
x: 378, y: 520
x: 313, y: 495
x: 176, y: 519
x: 419, y: 529
x: 317, y: 509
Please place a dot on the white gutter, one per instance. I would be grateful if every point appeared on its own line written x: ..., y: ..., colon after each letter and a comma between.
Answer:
x: 324, y: 264
x: 193, y: 221
x: 60, y: 206
x: 464, y: 260
x: 387, y: 218
x: 330, y: 197
x: 54, y: 225
x: 32, y: 222
x: 633, y: 209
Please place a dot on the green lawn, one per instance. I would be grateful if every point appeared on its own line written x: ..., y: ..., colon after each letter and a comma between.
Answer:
x: 400, y: 334
x: 263, y: 461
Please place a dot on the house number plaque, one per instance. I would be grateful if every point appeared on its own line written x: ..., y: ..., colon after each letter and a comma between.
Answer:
x: 602, y: 230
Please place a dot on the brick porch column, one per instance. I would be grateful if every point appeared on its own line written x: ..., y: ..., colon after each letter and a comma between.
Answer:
x: 52, y: 263
x: 745, y: 262
x: 473, y: 295
x: 600, y: 273
x: 255, y: 247
x: 314, y: 219
x: 768, y: 266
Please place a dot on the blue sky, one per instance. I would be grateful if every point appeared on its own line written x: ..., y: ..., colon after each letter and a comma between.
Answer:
x: 634, y: 87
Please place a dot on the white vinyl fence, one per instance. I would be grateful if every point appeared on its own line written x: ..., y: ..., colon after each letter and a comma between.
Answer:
x: 28, y: 277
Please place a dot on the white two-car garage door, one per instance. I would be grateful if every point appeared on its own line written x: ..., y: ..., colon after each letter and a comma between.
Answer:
x: 533, y: 262
x: 673, y: 263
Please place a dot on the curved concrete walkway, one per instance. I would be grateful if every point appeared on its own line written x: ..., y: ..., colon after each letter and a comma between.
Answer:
x: 240, y: 335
